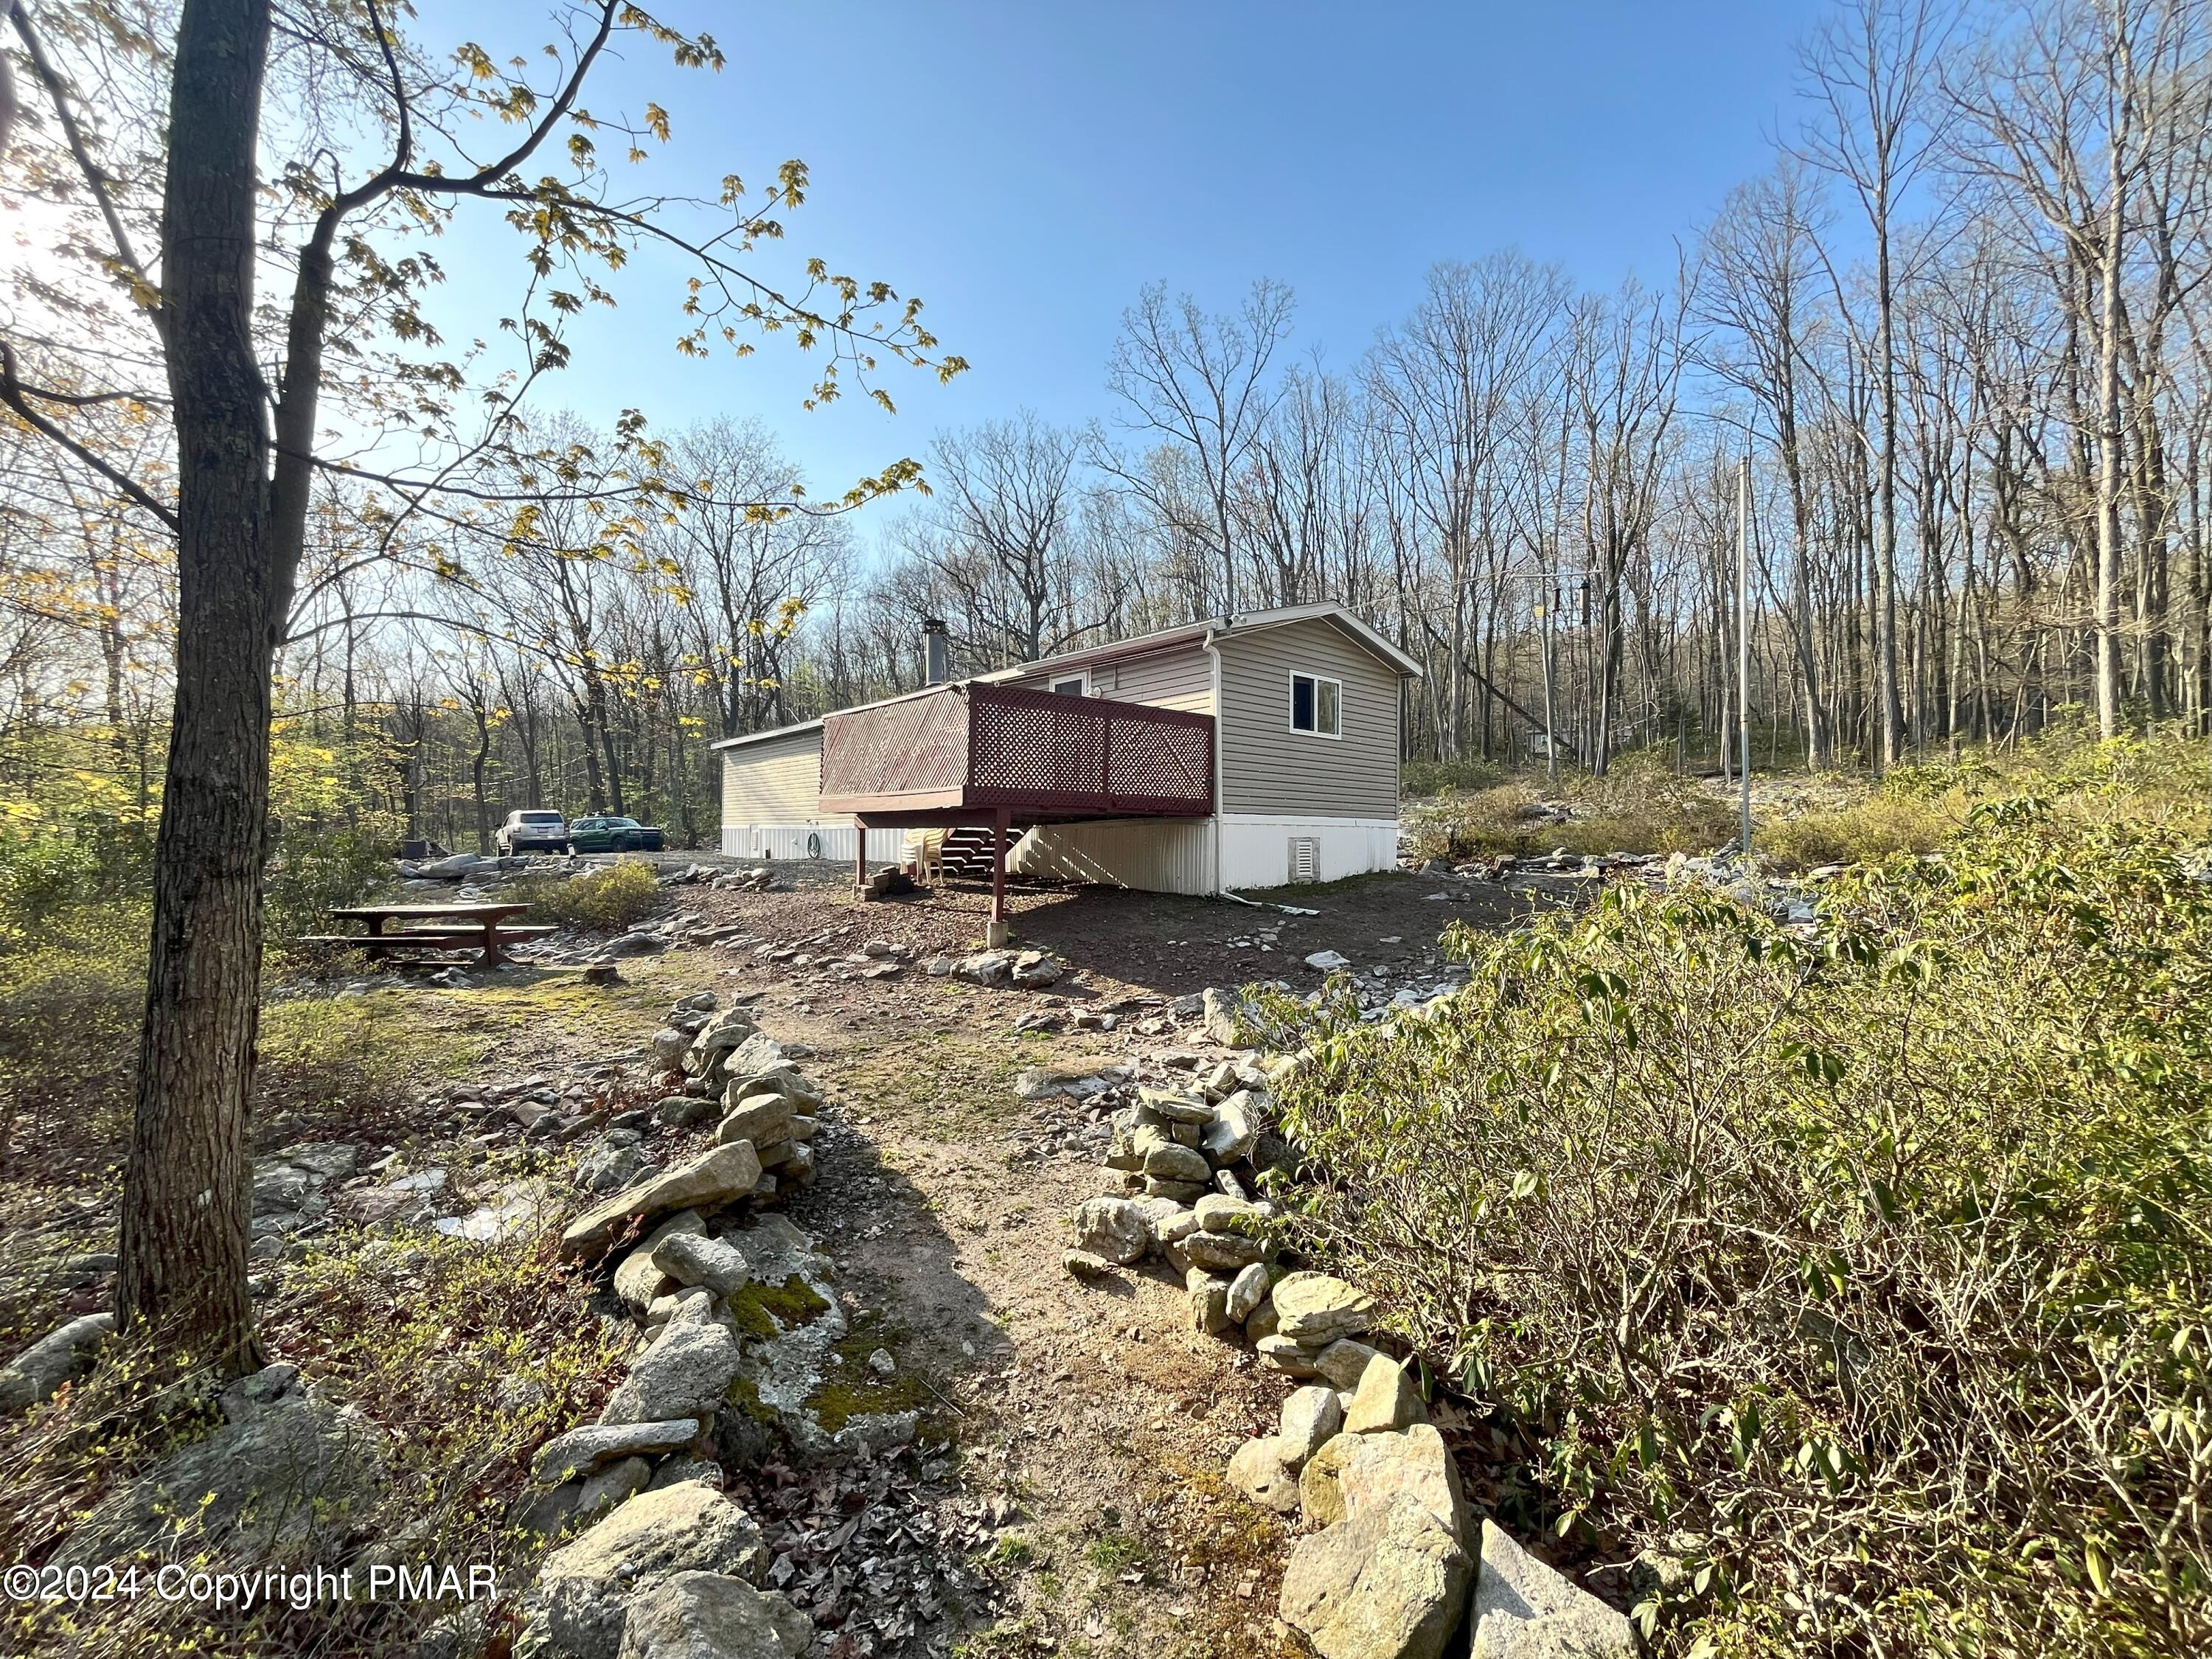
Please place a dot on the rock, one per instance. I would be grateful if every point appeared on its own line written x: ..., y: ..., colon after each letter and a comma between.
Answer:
x: 611, y: 1487
x: 640, y: 1281
x: 1260, y: 1323
x: 704, y: 1183
x: 1235, y: 1130
x: 783, y: 1081
x: 581, y: 1451
x: 1219, y: 1213
x: 1386, y: 1400
x: 1178, y: 1164
x: 681, y: 1111
x: 762, y: 1119
x: 1263, y: 1473
x: 583, y: 1587
x: 985, y: 968
x: 612, y: 1162
x: 1036, y: 969
x: 758, y: 1053
x: 1328, y: 961
x: 1354, y: 1473
x: 287, y: 1475
x: 691, y: 1258
x: 1114, y: 1228
x: 1344, y: 1363
x: 1285, y: 1355
x: 62, y: 1355
x: 1311, y: 1418
x: 1390, y: 1585
x: 1169, y: 1221
x: 1209, y: 1302
x: 668, y: 1046
x: 1248, y: 1291
x: 1172, y: 1106
x: 798, y: 1169
x: 1084, y: 1265
x: 1318, y: 1306
x: 1180, y: 1192
x: 705, y: 1615
x: 674, y: 1471
x: 1078, y: 1081
x: 731, y: 1028
x: 685, y: 1374
x: 1121, y: 1151
x: 1524, y: 1609
x: 1226, y: 1252
x: 1222, y: 1016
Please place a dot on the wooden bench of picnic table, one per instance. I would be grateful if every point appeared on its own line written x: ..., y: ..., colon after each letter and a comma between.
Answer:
x: 483, y: 928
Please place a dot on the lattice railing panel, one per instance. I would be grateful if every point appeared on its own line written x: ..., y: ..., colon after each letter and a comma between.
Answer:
x: 1058, y: 750
x: 1152, y: 761
x: 899, y: 748
x: 1034, y: 752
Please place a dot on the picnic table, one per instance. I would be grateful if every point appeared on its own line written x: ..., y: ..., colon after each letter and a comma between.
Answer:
x: 441, y: 928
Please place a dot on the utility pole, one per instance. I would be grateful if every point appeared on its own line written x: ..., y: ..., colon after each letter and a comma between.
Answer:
x: 1548, y: 602
x: 1743, y: 645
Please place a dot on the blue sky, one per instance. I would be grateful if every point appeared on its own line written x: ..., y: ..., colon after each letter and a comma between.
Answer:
x: 1025, y: 168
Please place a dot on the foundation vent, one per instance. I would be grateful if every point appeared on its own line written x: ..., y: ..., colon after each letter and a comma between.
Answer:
x: 1305, y: 858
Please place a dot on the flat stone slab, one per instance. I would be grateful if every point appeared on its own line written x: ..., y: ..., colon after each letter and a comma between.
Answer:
x: 1527, y: 1609
x: 588, y: 1447
x: 706, y: 1181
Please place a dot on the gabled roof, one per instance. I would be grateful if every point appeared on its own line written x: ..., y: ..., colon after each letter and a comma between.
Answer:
x: 1242, y: 622
x: 762, y: 737
x: 1143, y: 645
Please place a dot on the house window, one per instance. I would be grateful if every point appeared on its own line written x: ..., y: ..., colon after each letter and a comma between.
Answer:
x: 1075, y: 685
x: 1316, y: 705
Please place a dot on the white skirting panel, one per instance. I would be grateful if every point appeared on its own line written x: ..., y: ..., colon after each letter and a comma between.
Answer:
x: 1157, y: 855
x: 789, y: 840
x: 1256, y: 851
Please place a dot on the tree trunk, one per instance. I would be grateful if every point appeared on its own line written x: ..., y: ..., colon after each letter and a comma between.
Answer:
x: 185, y: 1194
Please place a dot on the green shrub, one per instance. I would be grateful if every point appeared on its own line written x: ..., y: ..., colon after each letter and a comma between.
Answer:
x: 316, y: 871
x: 1871, y: 1274
x: 51, y: 870
x: 69, y: 1011
x: 620, y: 896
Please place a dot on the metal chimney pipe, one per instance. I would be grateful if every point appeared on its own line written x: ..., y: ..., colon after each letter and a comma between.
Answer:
x: 936, y: 650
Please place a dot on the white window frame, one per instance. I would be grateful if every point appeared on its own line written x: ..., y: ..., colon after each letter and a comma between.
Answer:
x: 1081, y: 677
x: 1291, y: 699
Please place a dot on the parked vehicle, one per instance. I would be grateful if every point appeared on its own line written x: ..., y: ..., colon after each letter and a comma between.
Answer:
x: 532, y: 831
x: 611, y: 835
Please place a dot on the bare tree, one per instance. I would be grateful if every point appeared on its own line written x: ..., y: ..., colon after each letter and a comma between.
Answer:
x: 1201, y: 383
x: 1870, y: 73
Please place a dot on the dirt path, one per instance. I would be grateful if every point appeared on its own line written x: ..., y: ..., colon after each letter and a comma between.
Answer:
x: 1098, y: 1416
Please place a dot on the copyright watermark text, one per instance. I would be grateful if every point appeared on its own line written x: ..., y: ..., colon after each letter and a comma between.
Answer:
x: 299, y: 1589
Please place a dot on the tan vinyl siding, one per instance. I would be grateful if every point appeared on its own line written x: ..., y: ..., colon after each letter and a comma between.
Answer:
x: 1266, y: 767
x: 776, y: 781
x: 1181, y: 677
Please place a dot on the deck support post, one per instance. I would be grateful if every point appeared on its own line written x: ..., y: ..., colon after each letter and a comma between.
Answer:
x: 998, y: 932
x: 860, y: 855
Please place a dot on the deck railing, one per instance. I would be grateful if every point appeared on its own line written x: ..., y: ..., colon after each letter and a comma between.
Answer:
x: 971, y: 747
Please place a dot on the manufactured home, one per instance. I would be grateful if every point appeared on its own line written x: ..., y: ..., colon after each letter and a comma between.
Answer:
x: 1250, y: 750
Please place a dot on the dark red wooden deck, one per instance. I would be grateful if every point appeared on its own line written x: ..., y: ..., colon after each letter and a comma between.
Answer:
x: 971, y: 752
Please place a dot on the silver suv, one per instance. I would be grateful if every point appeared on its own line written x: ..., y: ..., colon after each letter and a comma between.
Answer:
x: 532, y: 832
